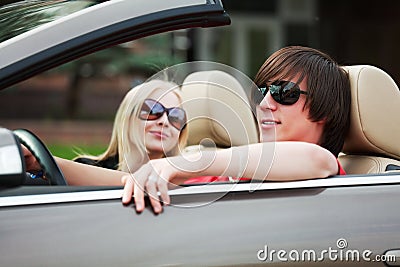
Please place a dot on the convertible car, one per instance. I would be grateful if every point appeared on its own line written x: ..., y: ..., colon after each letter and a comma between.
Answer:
x: 349, y: 220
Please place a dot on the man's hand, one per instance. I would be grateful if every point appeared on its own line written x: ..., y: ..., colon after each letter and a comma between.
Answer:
x: 152, y: 178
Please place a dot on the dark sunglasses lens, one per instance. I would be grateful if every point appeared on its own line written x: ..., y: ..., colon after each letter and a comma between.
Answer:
x: 290, y: 93
x: 275, y: 90
x: 177, y: 118
x: 258, y: 94
x: 151, y: 110
x: 284, y: 92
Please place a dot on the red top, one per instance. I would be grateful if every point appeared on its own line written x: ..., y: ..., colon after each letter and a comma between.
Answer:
x: 341, y: 170
x: 210, y: 179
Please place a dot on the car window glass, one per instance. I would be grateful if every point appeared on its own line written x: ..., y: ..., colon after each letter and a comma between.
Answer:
x: 35, y: 13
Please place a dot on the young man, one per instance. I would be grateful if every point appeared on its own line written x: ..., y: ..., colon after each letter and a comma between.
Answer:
x: 303, y: 118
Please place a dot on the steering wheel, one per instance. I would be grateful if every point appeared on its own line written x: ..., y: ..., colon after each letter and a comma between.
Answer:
x: 42, y: 155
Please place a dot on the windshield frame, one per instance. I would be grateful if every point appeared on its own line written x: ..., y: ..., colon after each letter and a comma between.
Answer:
x: 100, y: 26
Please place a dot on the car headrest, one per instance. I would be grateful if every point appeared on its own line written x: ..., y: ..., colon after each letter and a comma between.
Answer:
x: 374, y: 123
x: 218, y: 110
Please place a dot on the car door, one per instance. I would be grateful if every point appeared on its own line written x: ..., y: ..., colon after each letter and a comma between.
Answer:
x: 337, y: 221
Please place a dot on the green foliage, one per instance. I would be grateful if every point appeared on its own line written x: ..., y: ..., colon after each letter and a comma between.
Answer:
x: 70, y: 152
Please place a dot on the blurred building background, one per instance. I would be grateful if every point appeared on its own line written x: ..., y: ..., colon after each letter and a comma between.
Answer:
x: 76, y: 102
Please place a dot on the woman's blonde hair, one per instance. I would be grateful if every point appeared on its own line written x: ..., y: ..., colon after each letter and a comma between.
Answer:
x: 122, y: 142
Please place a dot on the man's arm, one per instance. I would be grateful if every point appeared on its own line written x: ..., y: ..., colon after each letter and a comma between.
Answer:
x: 275, y: 161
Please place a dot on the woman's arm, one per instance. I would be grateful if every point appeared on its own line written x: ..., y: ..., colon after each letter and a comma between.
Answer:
x: 275, y: 161
x: 82, y: 174
x: 77, y: 173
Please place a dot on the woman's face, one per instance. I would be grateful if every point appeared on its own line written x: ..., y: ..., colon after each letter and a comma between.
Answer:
x: 160, y: 137
x: 279, y: 122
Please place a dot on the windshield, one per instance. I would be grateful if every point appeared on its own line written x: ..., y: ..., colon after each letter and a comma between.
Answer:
x: 34, y: 14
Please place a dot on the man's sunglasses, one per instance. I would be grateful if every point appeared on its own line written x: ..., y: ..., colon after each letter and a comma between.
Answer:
x: 283, y: 92
x: 152, y: 110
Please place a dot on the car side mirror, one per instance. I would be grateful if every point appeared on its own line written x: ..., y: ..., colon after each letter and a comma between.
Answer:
x: 12, y: 163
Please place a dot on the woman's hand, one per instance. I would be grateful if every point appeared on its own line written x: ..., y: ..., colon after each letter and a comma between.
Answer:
x: 32, y: 165
x: 152, y: 178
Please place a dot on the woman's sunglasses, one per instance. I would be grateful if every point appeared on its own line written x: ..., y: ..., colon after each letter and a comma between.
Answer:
x: 152, y: 110
x: 283, y: 92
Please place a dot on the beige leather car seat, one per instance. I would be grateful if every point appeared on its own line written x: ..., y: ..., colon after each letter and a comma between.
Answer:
x: 219, y: 114
x: 372, y: 144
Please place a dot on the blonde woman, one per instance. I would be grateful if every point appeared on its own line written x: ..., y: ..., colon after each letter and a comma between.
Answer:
x: 139, y: 136
x: 149, y: 124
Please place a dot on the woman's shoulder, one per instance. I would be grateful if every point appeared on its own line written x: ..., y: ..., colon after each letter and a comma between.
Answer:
x: 86, y: 160
x: 109, y: 163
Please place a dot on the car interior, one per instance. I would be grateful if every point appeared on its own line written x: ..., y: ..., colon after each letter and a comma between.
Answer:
x: 218, y: 109
x: 220, y: 116
x: 217, y: 119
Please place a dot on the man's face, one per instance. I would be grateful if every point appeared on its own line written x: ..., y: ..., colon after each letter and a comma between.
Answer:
x: 279, y: 122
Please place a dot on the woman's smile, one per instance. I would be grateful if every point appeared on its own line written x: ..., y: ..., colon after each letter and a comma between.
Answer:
x: 159, y: 134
